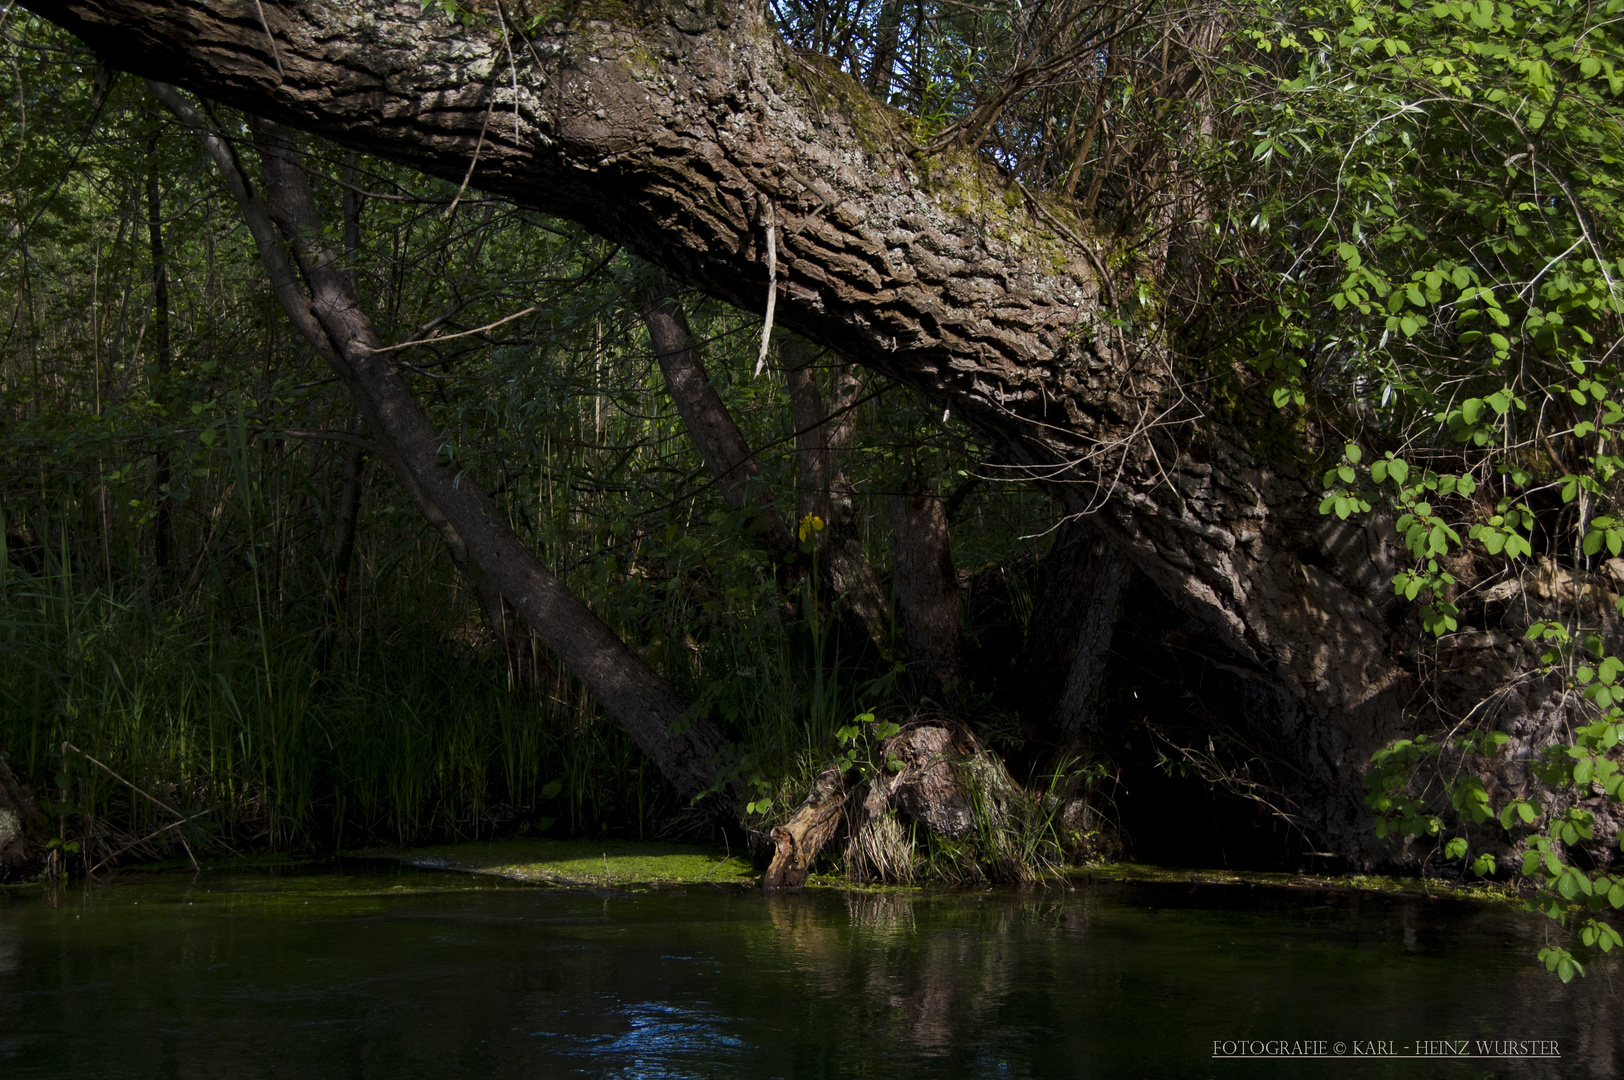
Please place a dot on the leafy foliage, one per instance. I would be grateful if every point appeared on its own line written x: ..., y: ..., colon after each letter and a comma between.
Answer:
x: 1438, y: 200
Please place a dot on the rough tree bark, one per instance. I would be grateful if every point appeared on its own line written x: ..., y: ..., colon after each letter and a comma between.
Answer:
x: 686, y: 130
x: 309, y: 281
x: 927, y: 589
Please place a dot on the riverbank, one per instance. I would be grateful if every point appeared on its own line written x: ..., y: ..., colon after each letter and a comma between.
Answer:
x: 1490, y: 892
x: 623, y: 864
x: 626, y: 863
x: 589, y: 863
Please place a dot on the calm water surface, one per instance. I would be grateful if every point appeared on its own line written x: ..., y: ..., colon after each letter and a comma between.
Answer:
x: 375, y: 972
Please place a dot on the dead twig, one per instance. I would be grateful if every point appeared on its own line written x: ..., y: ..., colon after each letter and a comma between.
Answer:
x: 448, y: 337
x: 66, y: 746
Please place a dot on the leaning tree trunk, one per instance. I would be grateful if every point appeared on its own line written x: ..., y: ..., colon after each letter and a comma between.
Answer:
x: 694, y: 136
x: 711, y: 427
x: 321, y: 301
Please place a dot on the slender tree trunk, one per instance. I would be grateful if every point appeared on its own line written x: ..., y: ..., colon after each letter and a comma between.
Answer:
x: 350, y: 203
x: 883, y: 67
x: 163, y: 507
x: 1093, y: 124
x: 1100, y: 585
x: 927, y: 589
x: 707, y: 419
x: 317, y: 296
x: 820, y: 438
x: 340, y: 547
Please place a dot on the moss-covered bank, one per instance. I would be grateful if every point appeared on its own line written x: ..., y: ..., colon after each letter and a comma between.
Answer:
x: 606, y: 863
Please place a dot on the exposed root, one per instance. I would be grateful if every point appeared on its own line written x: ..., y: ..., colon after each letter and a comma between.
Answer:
x: 941, y: 805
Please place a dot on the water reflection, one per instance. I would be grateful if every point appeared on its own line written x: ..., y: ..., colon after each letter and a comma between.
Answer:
x: 407, y: 975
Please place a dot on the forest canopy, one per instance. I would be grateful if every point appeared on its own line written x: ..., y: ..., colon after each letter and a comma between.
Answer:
x: 625, y: 417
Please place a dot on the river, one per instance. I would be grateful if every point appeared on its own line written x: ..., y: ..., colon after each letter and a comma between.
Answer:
x: 370, y: 970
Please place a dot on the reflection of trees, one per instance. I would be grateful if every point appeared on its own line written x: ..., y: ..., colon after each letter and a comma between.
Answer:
x: 924, y: 970
x: 1595, y: 1051
x: 1599, y: 1046
x: 10, y: 946
x: 527, y: 982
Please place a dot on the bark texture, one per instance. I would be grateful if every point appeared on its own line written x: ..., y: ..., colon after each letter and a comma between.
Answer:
x: 927, y: 588
x: 797, y: 842
x: 682, y: 129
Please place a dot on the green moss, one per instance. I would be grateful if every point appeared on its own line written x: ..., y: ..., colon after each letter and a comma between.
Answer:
x: 588, y: 862
x: 1483, y: 892
x: 874, y: 125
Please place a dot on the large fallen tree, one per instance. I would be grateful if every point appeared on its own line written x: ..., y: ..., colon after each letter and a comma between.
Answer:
x: 692, y: 134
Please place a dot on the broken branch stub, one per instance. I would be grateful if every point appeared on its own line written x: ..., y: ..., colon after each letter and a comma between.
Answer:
x: 797, y: 842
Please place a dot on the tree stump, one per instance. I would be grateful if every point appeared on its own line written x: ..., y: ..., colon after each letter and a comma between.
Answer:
x: 20, y: 826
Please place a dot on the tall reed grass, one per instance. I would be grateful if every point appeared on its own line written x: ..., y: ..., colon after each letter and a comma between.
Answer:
x: 289, y: 739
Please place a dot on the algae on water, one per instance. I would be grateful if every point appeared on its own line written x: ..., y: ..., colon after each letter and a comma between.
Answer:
x: 611, y: 863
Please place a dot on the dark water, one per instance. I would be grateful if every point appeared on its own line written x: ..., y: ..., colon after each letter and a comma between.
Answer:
x: 378, y: 973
